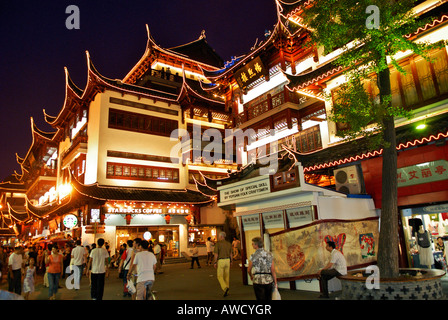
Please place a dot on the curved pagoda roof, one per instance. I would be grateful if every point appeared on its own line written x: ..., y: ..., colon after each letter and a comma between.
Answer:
x: 112, y: 193
x: 199, y: 50
x: 197, y: 53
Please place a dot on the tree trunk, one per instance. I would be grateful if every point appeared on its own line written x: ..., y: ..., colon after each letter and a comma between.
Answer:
x: 388, y: 242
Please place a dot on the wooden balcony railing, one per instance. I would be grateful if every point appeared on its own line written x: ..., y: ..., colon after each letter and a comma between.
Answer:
x: 271, y: 102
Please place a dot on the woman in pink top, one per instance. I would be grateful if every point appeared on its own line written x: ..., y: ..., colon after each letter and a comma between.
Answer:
x: 54, y: 270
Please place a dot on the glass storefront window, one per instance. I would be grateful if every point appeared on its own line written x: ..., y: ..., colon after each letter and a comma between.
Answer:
x: 168, y: 236
x: 199, y: 234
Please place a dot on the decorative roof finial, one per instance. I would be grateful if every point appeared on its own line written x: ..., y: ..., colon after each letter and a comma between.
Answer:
x: 202, y: 35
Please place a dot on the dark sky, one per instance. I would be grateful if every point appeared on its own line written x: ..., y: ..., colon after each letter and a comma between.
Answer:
x: 35, y: 46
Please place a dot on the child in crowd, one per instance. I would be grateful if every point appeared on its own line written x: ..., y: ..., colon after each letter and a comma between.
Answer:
x: 30, y: 278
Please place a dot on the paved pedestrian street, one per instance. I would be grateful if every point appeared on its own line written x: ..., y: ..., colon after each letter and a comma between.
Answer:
x: 178, y: 282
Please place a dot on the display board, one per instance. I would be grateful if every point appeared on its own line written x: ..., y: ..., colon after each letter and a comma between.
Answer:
x: 301, y: 252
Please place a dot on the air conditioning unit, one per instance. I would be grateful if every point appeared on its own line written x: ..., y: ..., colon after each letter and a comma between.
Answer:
x: 348, y: 180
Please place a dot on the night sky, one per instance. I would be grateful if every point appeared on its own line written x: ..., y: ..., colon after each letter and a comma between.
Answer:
x: 36, y: 46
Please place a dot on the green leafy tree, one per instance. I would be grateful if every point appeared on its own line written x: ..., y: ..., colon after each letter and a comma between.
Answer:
x: 370, y: 34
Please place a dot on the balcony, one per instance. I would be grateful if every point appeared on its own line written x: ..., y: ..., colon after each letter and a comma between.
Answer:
x: 79, y: 145
x: 284, y: 98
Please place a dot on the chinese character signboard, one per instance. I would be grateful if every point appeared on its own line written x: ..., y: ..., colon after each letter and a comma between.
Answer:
x: 273, y: 219
x: 251, y: 72
x: 251, y: 222
x: 300, y: 215
x: 422, y: 173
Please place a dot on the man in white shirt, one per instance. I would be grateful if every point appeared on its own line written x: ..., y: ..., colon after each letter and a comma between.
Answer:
x: 78, y: 257
x: 146, y: 263
x: 98, y: 261
x: 336, y: 267
x: 15, y: 265
x: 209, y: 244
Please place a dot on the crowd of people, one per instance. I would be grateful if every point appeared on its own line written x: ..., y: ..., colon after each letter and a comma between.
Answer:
x: 20, y: 265
x: 138, y: 261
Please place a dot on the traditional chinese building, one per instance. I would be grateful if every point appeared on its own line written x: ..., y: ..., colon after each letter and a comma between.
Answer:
x: 13, y: 216
x: 115, y: 171
x: 278, y: 90
x: 116, y: 166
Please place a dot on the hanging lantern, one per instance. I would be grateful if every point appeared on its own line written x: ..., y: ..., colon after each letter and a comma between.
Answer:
x: 128, y: 219
x: 188, y: 218
x: 167, y: 218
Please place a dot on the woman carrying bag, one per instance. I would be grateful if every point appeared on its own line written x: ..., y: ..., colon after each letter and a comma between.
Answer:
x: 54, y: 270
x: 261, y: 271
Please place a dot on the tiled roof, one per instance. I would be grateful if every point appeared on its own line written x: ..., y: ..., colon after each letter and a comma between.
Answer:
x: 110, y: 193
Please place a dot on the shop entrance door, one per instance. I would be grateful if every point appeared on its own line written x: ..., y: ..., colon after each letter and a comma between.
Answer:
x: 168, y: 237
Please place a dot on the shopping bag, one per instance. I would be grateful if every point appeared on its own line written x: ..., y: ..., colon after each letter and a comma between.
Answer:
x: 276, y: 294
x: 131, y: 287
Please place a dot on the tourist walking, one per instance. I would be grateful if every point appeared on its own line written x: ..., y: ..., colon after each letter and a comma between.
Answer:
x: 336, y: 267
x: 261, y: 271
x: 78, y: 258
x: 158, y: 253
x: 99, y: 270
x: 125, y: 264
x: 209, y: 244
x: 223, y: 254
x: 15, y: 267
x: 54, y: 271
x: 194, y: 255
x: 30, y: 278
x: 145, y: 263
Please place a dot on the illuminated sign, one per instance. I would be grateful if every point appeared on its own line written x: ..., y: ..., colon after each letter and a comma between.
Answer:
x: 70, y: 221
x: 251, y: 72
x: 147, y: 235
x: 146, y: 210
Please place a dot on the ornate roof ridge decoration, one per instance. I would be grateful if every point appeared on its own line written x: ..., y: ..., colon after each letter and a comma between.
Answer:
x: 286, y: 11
x: 40, y: 133
x: 201, y: 44
x: 121, y: 86
x: 244, y: 58
x: 45, y: 211
x: 286, y: 160
x: 204, y: 188
x: 8, y: 186
x: 96, y: 82
x: 6, y: 227
x: 305, y: 79
x: 72, y: 93
x: 152, y: 46
x: 21, y: 216
x: 215, y: 74
x: 113, y: 193
x: 188, y: 87
x: 37, y: 137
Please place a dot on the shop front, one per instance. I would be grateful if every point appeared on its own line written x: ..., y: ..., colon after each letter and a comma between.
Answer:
x: 422, y: 199
x: 295, y: 219
x: 431, y: 220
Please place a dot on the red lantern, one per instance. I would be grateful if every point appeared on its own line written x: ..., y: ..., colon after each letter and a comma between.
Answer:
x: 167, y: 218
x: 188, y: 218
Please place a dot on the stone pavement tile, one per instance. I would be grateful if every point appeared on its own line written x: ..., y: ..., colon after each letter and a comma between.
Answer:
x: 177, y: 282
